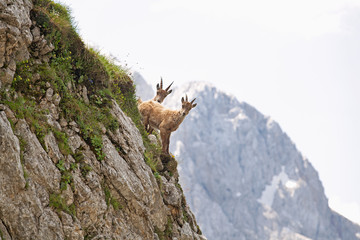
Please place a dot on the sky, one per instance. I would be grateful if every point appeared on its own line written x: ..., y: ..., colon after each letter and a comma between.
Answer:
x: 297, y: 61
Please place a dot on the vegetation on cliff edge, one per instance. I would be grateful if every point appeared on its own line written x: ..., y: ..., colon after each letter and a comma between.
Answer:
x: 85, y: 82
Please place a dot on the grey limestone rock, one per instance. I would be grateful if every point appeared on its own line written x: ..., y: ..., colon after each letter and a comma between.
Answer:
x: 15, y: 36
x: 116, y: 198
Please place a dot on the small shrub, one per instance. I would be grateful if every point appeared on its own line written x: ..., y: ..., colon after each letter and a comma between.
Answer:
x: 150, y: 161
x: 169, y: 228
x: 116, y: 205
x: 59, y: 204
x: 66, y: 176
x: 63, y: 141
x: 85, y: 169
x: 26, y: 109
x: 73, y: 166
x: 79, y: 159
x: 198, y: 230
x: 185, y: 216
x: 23, y: 144
x: 167, y: 233
x: 40, y: 130
x: 61, y: 165
x: 110, y: 199
x: 97, y: 144
x: 107, y: 195
x: 159, y: 233
x: 78, y: 156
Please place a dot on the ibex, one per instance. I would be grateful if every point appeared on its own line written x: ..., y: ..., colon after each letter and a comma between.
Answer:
x: 166, y: 120
x: 161, y: 94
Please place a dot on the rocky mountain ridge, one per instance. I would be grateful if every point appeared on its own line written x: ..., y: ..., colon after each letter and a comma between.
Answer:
x: 73, y: 165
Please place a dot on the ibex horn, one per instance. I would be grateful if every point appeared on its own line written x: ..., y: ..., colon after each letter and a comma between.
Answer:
x: 192, y: 101
x: 186, y: 98
x: 161, y: 85
x: 169, y: 86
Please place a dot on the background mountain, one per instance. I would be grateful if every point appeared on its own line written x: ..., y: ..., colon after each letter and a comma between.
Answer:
x: 143, y: 89
x: 244, y: 177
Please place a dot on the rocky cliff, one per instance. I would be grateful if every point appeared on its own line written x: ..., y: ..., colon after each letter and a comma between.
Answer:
x: 73, y: 165
x: 243, y: 176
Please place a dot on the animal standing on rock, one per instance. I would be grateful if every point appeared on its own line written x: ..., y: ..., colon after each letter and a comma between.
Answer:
x: 161, y: 94
x: 164, y: 119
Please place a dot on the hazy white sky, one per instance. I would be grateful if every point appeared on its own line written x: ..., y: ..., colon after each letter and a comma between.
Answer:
x: 295, y: 60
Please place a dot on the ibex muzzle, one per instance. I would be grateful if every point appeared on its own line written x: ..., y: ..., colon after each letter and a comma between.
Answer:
x: 161, y: 93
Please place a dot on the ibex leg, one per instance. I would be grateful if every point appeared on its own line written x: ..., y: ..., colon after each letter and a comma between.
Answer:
x: 164, y: 141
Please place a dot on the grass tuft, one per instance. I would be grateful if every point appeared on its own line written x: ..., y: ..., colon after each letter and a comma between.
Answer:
x: 59, y: 204
x: 110, y: 200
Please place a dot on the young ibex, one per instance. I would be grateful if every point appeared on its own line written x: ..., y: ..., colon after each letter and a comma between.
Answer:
x: 161, y: 94
x: 166, y: 120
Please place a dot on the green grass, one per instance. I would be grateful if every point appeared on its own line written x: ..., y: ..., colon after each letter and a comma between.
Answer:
x: 151, y: 161
x: 85, y: 169
x: 185, y: 216
x: 73, y: 166
x: 63, y: 141
x: 169, y: 228
x: 90, y: 119
x: 79, y: 159
x: 167, y: 233
x: 110, y: 200
x: 23, y: 144
x: 24, y: 108
x: 59, y: 204
x: 97, y: 144
x: 71, y: 65
x: 66, y: 176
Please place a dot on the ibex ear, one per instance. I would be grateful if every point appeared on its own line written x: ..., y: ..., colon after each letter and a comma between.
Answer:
x: 169, y: 91
x: 182, y: 99
x: 157, y: 87
x: 194, y: 105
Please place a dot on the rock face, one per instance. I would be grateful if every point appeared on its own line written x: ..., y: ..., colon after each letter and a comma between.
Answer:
x: 32, y: 204
x: 51, y: 192
x: 244, y: 177
x: 15, y: 36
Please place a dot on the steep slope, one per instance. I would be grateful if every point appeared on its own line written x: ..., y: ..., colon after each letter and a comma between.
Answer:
x: 73, y: 165
x: 244, y: 177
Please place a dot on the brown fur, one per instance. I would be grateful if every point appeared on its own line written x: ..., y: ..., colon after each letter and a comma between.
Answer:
x: 161, y: 94
x: 166, y: 120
